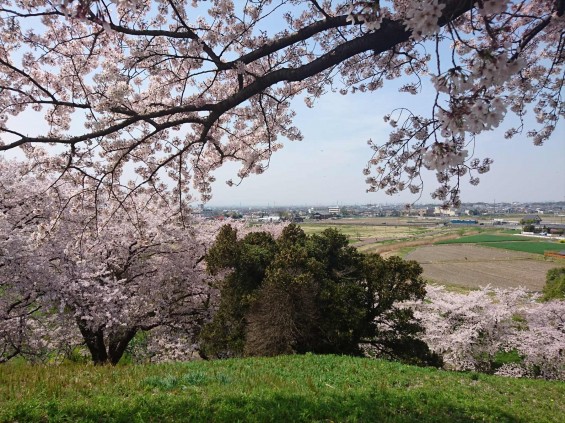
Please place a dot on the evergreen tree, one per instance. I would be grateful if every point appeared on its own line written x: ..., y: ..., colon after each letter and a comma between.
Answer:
x: 315, y: 294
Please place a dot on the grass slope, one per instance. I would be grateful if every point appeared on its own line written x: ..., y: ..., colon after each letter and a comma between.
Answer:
x: 281, y: 389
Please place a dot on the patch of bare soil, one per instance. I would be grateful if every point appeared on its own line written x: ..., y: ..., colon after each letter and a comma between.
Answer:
x: 473, y: 266
x: 390, y: 249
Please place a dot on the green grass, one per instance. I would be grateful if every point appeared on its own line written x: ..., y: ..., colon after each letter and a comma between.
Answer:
x: 481, y: 238
x: 404, y: 251
x: 358, y: 232
x: 528, y: 247
x: 281, y: 389
x: 515, y: 243
x: 511, y: 231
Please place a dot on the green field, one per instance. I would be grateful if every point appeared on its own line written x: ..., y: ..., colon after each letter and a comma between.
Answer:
x: 480, y: 238
x: 359, y: 232
x: 527, y: 247
x: 514, y: 243
x: 281, y: 389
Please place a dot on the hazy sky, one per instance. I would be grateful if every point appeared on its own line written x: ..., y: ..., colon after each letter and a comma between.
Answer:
x: 326, y: 167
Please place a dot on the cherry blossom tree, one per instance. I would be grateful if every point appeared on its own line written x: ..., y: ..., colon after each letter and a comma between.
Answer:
x: 23, y: 276
x: 68, y: 278
x: 472, y: 331
x: 173, y: 89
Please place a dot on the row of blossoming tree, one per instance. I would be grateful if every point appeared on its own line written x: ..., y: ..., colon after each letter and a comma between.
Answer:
x: 508, y: 332
x: 99, y: 278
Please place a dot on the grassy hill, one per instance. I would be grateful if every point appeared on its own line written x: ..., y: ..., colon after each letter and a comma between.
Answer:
x: 281, y: 389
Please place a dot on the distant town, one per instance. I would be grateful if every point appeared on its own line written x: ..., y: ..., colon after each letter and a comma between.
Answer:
x: 498, y: 213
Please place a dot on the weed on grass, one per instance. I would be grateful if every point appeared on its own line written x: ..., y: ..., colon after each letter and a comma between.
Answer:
x: 194, y: 378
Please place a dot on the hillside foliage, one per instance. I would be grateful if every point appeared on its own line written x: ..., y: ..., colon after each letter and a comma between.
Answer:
x: 554, y: 284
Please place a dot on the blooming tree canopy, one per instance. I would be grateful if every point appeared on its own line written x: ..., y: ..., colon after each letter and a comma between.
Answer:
x: 472, y: 330
x: 172, y: 89
x: 96, y: 277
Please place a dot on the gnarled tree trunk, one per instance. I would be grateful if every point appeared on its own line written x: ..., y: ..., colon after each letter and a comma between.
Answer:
x: 117, y: 343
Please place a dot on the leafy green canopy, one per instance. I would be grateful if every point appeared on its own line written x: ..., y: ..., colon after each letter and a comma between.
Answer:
x: 312, y: 293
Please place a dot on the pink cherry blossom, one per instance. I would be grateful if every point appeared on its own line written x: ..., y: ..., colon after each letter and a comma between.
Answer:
x: 171, y: 90
x: 470, y: 330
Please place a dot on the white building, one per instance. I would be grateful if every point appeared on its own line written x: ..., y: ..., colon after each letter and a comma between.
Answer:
x: 334, y: 210
x: 445, y: 212
x: 271, y: 219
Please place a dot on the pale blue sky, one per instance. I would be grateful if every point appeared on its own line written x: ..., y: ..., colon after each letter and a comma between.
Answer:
x: 326, y: 167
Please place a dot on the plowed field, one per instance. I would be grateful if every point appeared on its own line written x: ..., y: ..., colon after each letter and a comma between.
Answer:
x: 473, y: 266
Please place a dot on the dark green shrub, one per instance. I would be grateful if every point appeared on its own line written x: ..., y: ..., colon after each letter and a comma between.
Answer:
x: 248, y: 260
x: 528, y: 228
x: 554, y: 284
x: 315, y: 294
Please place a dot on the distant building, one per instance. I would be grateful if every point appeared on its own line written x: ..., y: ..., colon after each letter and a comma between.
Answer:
x: 271, y: 219
x: 334, y: 210
x: 316, y: 216
x: 428, y: 212
x: 555, y: 228
x: 445, y: 212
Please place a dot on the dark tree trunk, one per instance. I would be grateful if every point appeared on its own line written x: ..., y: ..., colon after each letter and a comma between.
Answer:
x: 118, y: 342
x: 94, y: 340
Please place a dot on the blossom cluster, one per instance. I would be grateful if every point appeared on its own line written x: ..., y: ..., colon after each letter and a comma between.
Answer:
x: 473, y: 330
x: 422, y: 18
x: 367, y: 13
x: 174, y: 90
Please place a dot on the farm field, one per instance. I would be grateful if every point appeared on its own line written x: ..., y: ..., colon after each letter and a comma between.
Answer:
x: 361, y: 232
x: 486, y: 237
x: 473, y: 266
x: 529, y: 246
x: 461, y: 257
x: 379, y: 235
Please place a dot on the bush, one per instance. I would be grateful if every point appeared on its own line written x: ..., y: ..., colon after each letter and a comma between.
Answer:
x: 247, y: 259
x: 554, y: 284
x: 528, y: 228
